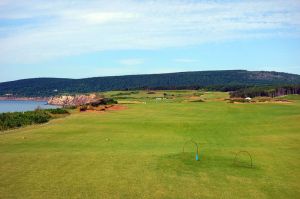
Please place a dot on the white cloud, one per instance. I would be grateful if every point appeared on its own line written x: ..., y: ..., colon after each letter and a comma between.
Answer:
x: 63, y: 28
x: 92, y: 17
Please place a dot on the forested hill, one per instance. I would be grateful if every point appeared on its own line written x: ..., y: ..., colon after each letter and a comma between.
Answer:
x: 216, y: 80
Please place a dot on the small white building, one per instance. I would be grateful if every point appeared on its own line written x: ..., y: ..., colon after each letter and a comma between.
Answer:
x: 248, y: 98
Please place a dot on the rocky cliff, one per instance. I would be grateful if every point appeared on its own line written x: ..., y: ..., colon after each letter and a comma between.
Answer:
x: 77, y: 100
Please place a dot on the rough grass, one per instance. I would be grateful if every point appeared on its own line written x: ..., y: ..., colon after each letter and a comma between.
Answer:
x: 137, y: 152
x: 290, y: 97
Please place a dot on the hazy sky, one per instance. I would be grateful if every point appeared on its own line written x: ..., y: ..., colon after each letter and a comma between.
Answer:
x: 109, y: 37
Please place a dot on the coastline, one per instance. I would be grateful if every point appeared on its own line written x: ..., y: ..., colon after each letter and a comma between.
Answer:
x: 24, y: 105
x: 36, y: 99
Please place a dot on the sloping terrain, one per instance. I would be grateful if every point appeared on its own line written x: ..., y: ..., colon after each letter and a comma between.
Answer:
x: 137, y: 152
x: 218, y: 80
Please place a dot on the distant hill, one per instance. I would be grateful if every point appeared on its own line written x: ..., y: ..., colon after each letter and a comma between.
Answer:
x: 215, y: 80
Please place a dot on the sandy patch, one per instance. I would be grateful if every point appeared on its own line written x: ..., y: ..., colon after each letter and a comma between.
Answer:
x: 116, y: 108
x: 130, y: 102
x: 103, y: 109
x: 194, y: 97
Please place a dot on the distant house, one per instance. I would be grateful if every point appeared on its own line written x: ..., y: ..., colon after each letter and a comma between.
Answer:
x: 8, y: 95
x: 248, y: 98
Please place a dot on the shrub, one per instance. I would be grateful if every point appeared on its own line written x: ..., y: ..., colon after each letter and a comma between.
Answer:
x: 39, y: 117
x: 83, y: 108
x: 197, y: 94
x: 57, y: 111
x: 104, y: 101
x: 151, y: 92
x: 70, y: 107
x: 19, y: 119
x: 240, y: 100
x: 199, y: 100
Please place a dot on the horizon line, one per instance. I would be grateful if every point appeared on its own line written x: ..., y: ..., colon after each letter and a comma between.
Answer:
x: 148, y: 74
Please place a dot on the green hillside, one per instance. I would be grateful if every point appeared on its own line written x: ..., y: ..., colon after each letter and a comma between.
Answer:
x: 215, y: 80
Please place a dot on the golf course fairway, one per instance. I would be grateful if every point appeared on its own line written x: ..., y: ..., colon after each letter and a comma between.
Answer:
x: 137, y: 152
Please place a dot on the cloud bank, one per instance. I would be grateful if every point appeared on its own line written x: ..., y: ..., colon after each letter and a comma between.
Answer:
x: 32, y: 31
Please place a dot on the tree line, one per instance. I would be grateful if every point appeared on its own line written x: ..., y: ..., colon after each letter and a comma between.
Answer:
x: 266, y: 91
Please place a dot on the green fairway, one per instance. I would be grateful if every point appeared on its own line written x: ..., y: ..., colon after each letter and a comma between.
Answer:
x: 137, y: 152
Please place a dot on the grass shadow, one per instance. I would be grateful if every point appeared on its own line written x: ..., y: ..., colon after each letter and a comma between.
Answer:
x: 185, y: 163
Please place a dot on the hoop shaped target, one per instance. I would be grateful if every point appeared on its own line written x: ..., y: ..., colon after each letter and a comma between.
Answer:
x: 196, y: 147
x: 243, y: 152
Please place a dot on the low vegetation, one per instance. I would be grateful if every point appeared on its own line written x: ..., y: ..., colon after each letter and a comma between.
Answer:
x: 19, y: 119
x: 103, y: 101
x: 99, y: 105
x: 57, y: 111
x: 238, y: 100
x: 198, y: 100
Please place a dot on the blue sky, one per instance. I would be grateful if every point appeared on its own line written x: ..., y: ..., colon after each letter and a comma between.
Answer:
x: 77, y: 39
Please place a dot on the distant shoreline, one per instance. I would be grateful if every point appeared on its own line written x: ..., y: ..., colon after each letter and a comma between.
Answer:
x: 36, y: 99
x: 9, y: 105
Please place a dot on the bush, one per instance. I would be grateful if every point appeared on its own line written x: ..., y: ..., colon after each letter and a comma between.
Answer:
x: 70, y: 107
x: 39, y: 117
x: 240, y: 100
x: 83, y: 108
x: 57, y: 111
x: 199, y: 100
x: 197, y: 94
x: 108, y: 101
x: 104, y: 101
x: 19, y: 119
x: 151, y: 92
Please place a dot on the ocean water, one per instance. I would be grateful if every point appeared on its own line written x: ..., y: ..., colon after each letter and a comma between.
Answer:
x: 20, y: 106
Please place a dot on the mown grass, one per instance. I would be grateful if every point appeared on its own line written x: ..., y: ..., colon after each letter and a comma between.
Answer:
x: 137, y: 152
